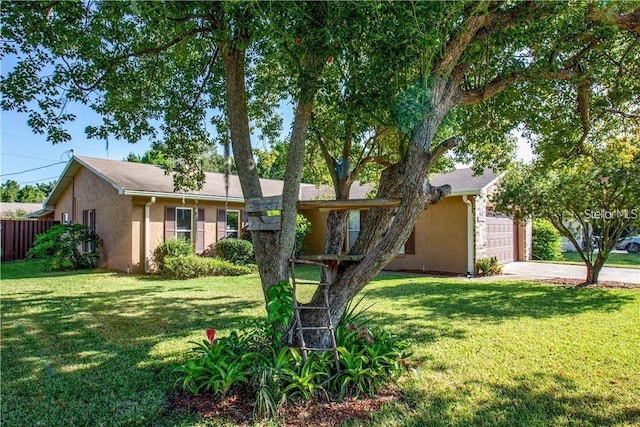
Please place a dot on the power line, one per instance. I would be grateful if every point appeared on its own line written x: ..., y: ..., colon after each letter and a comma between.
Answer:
x: 31, y: 170
x: 39, y: 180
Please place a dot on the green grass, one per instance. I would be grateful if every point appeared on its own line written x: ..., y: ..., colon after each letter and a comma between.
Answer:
x: 624, y: 260
x: 99, y: 348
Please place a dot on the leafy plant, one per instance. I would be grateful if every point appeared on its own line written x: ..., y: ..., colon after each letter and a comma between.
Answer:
x: 60, y: 248
x: 238, y: 251
x: 190, y: 266
x: 171, y: 248
x: 303, y: 227
x: 488, y: 266
x: 279, y: 309
x: 546, y: 241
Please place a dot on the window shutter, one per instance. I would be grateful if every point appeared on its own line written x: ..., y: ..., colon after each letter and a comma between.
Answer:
x: 363, y: 215
x: 200, y: 231
x: 85, y: 220
x: 92, y: 225
x: 169, y: 223
x: 410, y: 245
x: 222, y: 224
x: 244, y: 226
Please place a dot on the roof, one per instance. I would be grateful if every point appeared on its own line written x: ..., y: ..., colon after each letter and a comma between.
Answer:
x: 462, y: 181
x: 7, y: 208
x: 140, y: 179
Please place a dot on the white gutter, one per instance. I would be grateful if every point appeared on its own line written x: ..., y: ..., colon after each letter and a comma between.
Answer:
x: 470, y: 267
x: 147, y: 237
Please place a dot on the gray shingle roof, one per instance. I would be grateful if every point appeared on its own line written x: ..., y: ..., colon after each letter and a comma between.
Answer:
x: 144, y: 179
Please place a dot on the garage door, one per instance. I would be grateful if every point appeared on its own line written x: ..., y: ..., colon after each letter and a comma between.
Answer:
x: 501, y: 242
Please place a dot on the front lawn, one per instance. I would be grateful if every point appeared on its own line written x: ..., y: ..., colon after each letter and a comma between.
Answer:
x: 617, y: 259
x: 99, y: 348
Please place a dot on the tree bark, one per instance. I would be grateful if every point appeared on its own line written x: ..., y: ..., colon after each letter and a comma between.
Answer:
x: 381, y: 239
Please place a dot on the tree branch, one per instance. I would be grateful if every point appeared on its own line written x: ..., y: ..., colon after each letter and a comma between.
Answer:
x: 629, y: 22
x: 442, y: 148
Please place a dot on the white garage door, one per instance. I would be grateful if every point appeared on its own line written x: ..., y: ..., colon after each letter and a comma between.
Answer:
x: 500, y: 237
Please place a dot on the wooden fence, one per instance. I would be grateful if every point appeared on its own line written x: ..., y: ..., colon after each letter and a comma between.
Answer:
x: 17, y: 236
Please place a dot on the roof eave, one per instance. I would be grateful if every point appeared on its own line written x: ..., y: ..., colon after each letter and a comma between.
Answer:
x: 186, y: 196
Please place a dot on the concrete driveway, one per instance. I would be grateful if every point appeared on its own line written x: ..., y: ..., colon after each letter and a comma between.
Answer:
x: 543, y: 269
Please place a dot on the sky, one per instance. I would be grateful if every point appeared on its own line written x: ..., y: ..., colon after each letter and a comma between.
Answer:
x: 21, y: 150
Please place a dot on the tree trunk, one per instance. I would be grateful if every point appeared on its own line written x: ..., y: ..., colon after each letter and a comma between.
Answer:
x: 381, y: 239
x: 272, y: 249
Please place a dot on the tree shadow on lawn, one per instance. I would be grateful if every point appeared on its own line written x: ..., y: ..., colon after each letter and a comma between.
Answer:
x: 497, y: 301
x: 100, y: 356
x: 537, y: 399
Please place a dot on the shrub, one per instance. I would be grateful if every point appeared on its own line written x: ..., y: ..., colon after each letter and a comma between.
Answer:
x: 303, y: 227
x: 59, y: 247
x: 238, y: 251
x: 277, y: 374
x: 488, y: 266
x: 170, y: 248
x: 546, y: 241
x: 190, y: 266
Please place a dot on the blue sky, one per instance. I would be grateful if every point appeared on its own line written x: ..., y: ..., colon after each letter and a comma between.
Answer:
x: 21, y: 149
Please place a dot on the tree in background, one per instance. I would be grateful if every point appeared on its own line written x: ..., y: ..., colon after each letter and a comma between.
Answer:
x: 11, y: 191
x: 589, y: 202
x: 428, y: 67
x: 210, y: 160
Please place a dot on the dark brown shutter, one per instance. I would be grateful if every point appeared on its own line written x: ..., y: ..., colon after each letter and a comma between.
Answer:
x: 363, y: 215
x: 244, y: 226
x: 169, y: 223
x: 93, y: 221
x: 85, y: 220
x: 200, y: 231
x: 410, y: 245
x: 222, y: 224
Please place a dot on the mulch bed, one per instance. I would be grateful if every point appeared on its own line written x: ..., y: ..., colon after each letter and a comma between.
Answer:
x: 579, y: 283
x: 237, y: 409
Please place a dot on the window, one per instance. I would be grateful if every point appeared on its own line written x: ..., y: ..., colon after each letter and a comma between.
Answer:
x: 89, y: 221
x: 353, y: 228
x: 233, y: 223
x: 184, y: 223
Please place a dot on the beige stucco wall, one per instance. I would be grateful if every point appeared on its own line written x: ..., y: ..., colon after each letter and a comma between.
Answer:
x: 315, y: 240
x: 112, y: 215
x: 441, y: 238
x: 157, y: 219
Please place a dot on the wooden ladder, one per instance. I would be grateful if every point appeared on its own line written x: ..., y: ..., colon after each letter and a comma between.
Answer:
x: 298, y: 327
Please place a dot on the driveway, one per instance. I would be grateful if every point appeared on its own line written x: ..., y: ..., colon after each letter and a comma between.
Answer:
x: 543, y: 269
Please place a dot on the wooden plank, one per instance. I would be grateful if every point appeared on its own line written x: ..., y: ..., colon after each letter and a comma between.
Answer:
x: 273, y: 203
x: 349, y: 204
x: 330, y: 257
x: 264, y: 223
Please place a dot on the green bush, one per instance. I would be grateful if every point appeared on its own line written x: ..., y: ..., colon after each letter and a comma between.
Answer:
x: 303, y: 227
x: 170, y: 248
x: 238, y: 251
x: 488, y: 266
x: 190, y: 266
x: 256, y: 360
x: 60, y: 248
x: 546, y: 241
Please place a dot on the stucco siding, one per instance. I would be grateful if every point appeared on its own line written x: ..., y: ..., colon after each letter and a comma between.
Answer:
x: 316, y: 239
x: 441, y: 240
x: 112, y: 215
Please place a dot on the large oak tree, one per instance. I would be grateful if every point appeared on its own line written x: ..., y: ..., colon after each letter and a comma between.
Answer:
x: 179, y: 63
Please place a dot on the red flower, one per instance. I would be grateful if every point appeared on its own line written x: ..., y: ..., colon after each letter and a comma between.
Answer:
x: 329, y: 59
x: 211, y: 334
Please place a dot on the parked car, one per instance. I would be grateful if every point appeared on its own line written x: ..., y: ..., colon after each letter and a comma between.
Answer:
x: 630, y: 244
